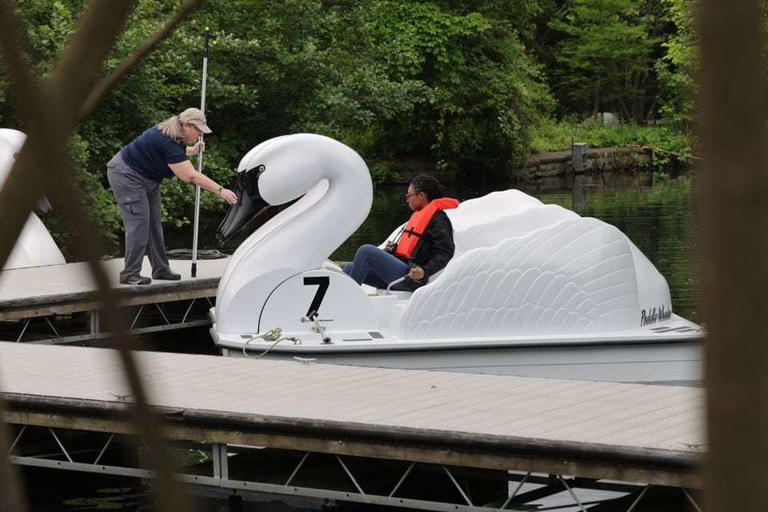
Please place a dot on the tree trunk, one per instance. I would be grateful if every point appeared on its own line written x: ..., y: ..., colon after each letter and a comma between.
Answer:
x: 596, y: 105
x: 735, y: 264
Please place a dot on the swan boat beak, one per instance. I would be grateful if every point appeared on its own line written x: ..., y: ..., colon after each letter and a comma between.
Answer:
x: 249, y: 206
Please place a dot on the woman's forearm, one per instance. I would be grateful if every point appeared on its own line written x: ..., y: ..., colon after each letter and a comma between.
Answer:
x: 206, y: 183
x: 187, y: 173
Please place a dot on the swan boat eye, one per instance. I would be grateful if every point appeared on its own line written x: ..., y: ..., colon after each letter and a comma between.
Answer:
x: 249, y: 180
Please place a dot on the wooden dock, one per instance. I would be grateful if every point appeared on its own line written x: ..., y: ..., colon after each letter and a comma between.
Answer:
x: 50, y: 292
x: 588, y: 430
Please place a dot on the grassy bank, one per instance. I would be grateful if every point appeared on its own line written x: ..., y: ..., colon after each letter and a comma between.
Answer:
x: 668, y: 143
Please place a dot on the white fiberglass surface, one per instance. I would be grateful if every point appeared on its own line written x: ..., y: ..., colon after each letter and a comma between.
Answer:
x: 522, y: 270
x: 34, y: 246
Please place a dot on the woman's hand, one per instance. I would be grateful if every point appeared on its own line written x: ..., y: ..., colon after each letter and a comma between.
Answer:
x: 196, y: 149
x: 228, y: 195
x: 416, y: 273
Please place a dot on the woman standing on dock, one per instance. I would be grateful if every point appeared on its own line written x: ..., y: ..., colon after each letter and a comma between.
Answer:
x: 135, y: 173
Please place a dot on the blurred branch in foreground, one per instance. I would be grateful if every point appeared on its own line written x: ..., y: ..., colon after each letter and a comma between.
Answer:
x: 735, y: 264
x: 53, y: 110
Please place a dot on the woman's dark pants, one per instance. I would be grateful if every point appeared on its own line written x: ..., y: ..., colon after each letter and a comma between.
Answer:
x: 139, y: 201
x: 376, y: 267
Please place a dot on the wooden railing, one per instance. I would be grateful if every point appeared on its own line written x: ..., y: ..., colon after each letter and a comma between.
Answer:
x: 53, y: 108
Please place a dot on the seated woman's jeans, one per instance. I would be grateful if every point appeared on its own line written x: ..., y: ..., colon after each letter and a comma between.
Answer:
x: 375, y: 267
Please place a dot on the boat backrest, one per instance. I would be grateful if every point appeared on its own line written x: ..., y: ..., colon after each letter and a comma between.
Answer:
x: 484, y: 209
x: 493, y: 231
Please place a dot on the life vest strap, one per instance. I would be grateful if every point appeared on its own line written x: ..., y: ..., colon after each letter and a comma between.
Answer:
x: 412, y: 232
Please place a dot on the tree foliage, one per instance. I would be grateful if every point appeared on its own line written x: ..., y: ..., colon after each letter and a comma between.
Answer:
x: 456, y: 85
x: 679, y: 65
x: 423, y: 79
x: 606, y: 54
x: 449, y: 82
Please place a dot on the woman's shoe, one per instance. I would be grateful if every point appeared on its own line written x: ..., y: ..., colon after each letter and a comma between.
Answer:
x: 167, y: 275
x: 137, y: 279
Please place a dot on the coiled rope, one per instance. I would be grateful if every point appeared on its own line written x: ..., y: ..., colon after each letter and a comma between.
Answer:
x: 273, y: 335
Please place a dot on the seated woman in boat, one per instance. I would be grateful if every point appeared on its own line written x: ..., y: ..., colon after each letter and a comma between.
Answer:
x: 425, y: 245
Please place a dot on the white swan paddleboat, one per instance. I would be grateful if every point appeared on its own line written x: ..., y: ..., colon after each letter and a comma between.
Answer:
x: 533, y: 289
x: 35, y: 246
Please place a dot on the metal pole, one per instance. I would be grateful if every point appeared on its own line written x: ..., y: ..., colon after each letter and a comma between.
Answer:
x: 208, y: 37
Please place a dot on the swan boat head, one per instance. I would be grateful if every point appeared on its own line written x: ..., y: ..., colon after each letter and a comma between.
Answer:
x: 35, y: 246
x: 332, y: 190
x: 11, y: 142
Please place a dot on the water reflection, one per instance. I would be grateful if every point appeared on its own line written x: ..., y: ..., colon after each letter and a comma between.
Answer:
x: 579, y: 193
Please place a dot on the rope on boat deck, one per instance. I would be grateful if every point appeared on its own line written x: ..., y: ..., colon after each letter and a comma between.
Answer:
x: 270, y: 335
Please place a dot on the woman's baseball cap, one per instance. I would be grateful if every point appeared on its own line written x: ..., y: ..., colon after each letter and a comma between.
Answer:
x: 194, y: 116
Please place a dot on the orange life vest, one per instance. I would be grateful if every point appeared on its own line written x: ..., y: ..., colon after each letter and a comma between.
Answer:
x: 418, y: 223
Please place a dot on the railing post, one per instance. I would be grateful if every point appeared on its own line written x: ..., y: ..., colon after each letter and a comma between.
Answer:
x: 95, y: 322
x: 220, y: 462
x: 579, y: 156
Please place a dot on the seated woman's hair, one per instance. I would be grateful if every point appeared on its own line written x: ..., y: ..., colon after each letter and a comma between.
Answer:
x: 429, y: 185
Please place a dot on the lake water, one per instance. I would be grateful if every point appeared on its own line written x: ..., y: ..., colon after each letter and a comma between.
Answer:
x: 658, y: 216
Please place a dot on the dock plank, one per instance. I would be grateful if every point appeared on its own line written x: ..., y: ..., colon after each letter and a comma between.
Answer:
x: 668, y: 418
x: 70, y: 288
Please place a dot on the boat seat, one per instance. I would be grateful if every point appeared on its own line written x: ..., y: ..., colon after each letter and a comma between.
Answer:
x: 330, y: 265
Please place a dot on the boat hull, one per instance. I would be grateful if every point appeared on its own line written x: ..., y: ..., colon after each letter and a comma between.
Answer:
x: 678, y: 362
